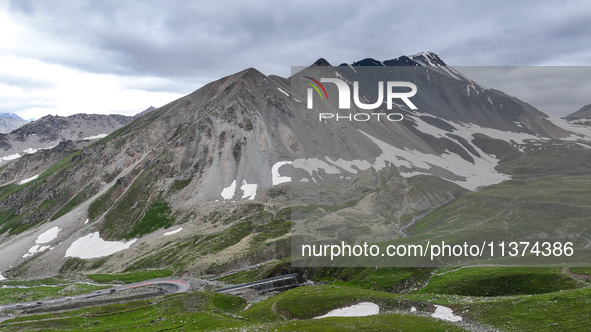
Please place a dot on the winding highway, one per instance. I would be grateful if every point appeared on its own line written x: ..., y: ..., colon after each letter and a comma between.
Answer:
x: 178, y: 286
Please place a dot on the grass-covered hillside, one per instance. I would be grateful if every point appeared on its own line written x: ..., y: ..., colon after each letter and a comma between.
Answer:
x: 506, y: 299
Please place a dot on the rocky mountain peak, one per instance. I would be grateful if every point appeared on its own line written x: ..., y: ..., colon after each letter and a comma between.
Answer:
x: 10, y: 122
x: 401, y: 61
x: 368, y: 62
x: 427, y: 59
x: 321, y: 62
x: 146, y: 111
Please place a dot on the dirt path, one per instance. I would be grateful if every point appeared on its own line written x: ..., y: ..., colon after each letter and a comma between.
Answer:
x: 582, y: 279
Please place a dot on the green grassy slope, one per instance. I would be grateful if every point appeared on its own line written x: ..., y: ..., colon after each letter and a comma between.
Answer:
x: 500, y: 281
x: 540, y: 308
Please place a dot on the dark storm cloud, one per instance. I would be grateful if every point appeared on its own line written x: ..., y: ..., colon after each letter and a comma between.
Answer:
x: 209, y: 38
x: 545, y: 36
x: 174, y: 40
x: 195, y: 42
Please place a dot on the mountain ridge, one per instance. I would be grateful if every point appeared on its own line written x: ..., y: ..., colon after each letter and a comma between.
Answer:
x: 583, y: 113
x: 51, y: 130
x: 10, y: 122
x: 241, y: 147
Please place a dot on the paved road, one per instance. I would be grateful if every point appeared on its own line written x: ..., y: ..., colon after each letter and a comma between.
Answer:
x: 252, y: 284
x: 181, y: 287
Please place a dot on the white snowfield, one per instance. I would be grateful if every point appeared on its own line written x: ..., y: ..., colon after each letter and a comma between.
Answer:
x: 412, y: 162
x: 27, y: 180
x: 2, y: 277
x: 34, y: 150
x: 356, y: 310
x: 48, y: 235
x: 285, y: 93
x: 92, y: 246
x: 445, y: 313
x: 276, y: 177
x: 173, y: 232
x: 228, y: 192
x: 30, y: 150
x: 10, y: 157
x: 471, y: 175
x: 582, y: 132
x: 45, y: 237
x: 481, y: 173
x: 94, y: 137
x: 249, y: 190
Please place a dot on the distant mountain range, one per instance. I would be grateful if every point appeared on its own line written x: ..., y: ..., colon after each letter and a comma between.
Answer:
x: 10, y: 121
x: 50, y: 130
x: 583, y: 113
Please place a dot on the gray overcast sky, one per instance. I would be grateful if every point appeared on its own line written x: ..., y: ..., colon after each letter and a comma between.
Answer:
x: 65, y: 57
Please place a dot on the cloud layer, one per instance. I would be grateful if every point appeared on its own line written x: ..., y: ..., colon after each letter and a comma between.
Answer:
x: 147, y: 52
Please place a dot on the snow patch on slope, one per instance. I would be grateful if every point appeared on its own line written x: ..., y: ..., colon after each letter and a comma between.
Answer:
x: 285, y: 93
x: 276, y: 177
x: 313, y: 165
x: 426, y: 128
x: 10, y: 157
x: 249, y: 190
x: 92, y: 246
x: 48, y: 235
x: 445, y: 313
x: 43, y: 238
x: 462, y: 172
x: 36, y: 249
x: 173, y: 232
x: 481, y: 173
x: 583, y: 131
x: 30, y: 150
x: 94, y: 137
x: 356, y: 310
x: 466, y: 130
x: 228, y: 192
x: 28, y: 179
x: 351, y: 166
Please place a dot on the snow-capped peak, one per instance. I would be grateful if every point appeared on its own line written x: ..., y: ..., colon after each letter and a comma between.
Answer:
x: 427, y: 59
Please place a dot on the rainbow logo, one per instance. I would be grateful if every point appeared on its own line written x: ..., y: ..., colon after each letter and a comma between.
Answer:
x: 316, y: 87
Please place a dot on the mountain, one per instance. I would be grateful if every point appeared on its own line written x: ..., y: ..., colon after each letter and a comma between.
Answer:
x: 51, y: 130
x: 147, y: 110
x: 220, y: 179
x: 583, y: 113
x: 10, y: 121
